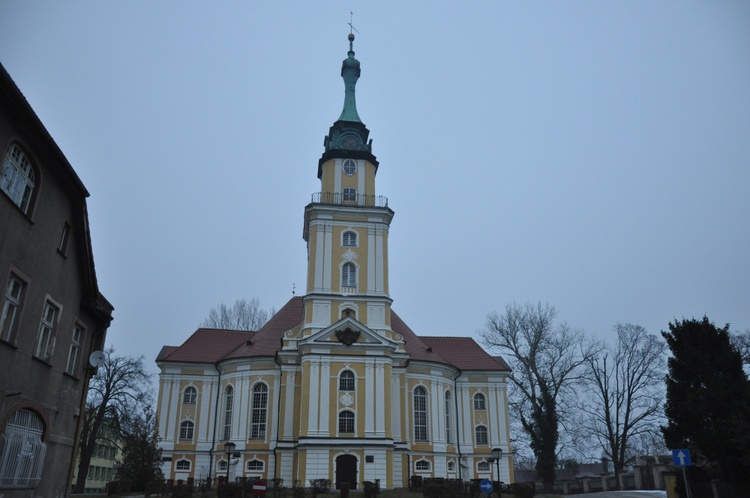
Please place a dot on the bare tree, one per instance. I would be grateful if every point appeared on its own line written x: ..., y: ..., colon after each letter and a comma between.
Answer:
x: 546, y: 360
x: 624, y: 406
x: 120, y: 387
x: 244, y: 315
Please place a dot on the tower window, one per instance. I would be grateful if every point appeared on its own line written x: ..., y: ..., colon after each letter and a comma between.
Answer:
x: 346, y: 381
x: 481, y: 435
x: 350, y: 194
x: 348, y: 275
x: 190, y: 395
x: 350, y: 167
x: 17, y: 177
x: 346, y: 422
x: 479, y: 403
x: 186, y: 430
x: 350, y: 238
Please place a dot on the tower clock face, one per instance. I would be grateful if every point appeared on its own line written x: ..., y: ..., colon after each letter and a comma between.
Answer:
x: 349, y: 142
x: 350, y: 167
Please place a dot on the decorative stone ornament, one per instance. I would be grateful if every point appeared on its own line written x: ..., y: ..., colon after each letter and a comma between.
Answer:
x: 348, y: 336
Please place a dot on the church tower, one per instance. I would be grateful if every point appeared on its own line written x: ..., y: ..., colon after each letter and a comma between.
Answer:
x: 335, y: 386
x: 346, y: 225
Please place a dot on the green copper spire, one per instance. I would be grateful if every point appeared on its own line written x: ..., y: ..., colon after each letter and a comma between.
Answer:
x: 350, y: 72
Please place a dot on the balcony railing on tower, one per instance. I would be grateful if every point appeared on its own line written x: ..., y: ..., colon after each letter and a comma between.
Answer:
x: 346, y: 199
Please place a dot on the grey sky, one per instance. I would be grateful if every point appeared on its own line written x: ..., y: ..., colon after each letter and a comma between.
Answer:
x: 592, y: 155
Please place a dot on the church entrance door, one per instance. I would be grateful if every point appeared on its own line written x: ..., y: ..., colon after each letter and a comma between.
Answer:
x: 346, y: 471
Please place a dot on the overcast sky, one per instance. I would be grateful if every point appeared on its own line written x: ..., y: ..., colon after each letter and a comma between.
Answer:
x: 590, y: 155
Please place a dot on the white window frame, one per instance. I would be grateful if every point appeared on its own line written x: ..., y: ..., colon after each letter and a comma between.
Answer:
x: 483, y: 466
x: 425, y: 465
x: 228, y: 411
x: 347, y: 422
x: 189, y: 395
x: 349, y: 238
x: 448, y: 421
x: 45, y: 344
x: 351, y: 164
x: 254, y: 469
x: 183, y: 461
x: 419, y: 399
x: 349, y: 275
x: 481, y: 435
x: 22, y: 450
x: 347, y: 381
x: 14, y: 293
x: 349, y: 194
x: 187, y: 430
x: 17, y: 178
x: 75, y: 349
x: 480, y: 401
x: 259, y: 420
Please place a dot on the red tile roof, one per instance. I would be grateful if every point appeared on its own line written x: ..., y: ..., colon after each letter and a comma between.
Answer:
x: 213, y: 345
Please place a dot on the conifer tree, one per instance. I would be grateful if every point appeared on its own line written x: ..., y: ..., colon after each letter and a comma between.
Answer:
x: 708, y: 399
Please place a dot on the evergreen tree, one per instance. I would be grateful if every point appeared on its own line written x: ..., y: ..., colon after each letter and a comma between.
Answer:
x: 708, y: 398
x: 141, y: 456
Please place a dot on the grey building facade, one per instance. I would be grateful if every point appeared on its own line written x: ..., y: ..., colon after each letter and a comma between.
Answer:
x: 52, y: 315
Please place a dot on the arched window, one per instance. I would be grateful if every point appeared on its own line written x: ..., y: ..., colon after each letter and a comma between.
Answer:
x: 17, y: 178
x: 483, y: 466
x: 451, y: 466
x: 190, y: 395
x: 223, y: 465
x: 422, y: 465
x: 182, y: 465
x: 186, y: 430
x: 22, y: 450
x: 479, y: 403
x: 481, y: 435
x: 228, y: 409
x: 350, y: 238
x: 255, y: 465
x: 448, y: 423
x: 346, y: 381
x: 420, y: 414
x: 346, y: 422
x: 259, y: 416
x: 348, y: 275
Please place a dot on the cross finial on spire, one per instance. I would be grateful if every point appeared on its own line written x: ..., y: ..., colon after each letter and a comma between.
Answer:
x: 352, y: 29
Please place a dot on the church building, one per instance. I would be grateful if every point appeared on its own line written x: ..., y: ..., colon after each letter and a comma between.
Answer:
x: 335, y: 386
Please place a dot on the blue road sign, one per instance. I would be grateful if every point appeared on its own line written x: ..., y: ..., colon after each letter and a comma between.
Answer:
x: 485, y: 486
x: 681, y: 458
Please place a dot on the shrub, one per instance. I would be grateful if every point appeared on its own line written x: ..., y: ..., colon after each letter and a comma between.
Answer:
x: 523, y: 489
x: 230, y: 491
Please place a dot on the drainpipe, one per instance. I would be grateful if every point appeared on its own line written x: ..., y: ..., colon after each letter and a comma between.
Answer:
x: 458, y: 437
x: 216, y: 419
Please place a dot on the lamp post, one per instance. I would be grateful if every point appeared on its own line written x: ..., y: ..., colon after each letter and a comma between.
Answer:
x: 497, y: 454
x: 229, y: 451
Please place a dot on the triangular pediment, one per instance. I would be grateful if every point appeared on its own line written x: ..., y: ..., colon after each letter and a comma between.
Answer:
x: 350, y: 333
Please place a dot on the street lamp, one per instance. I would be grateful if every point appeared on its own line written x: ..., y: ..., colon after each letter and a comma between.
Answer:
x: 229, y: 451
x: 497, y: 454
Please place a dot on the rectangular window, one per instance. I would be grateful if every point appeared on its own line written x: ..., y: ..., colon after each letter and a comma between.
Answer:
x: 350, y: 195
x: 11, y: 308
x: 75, y: 350
x: 64, y: 235
x: 46, y: 338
